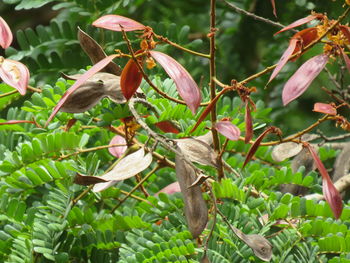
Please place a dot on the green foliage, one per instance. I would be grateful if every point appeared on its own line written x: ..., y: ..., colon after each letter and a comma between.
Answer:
x: 46, y: 217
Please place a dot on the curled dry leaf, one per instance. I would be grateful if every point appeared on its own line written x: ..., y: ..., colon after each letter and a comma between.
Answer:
x: 229, y: 130
x: 6, y: 36
x: 170, y: 189
x: 186, y: 86
x: 303, y: 77
x: 130, y: 79
x: 330, y: 193
x: 94, y: 69
x: 118, y: 23
x: 167, y: 126
x: 305, y: 37
x: 256, y: 144
x: 197, y: 151
x: 196, y: 210
x: 96, y: 53
x: 128, y: 167
x: 117, y: 151
x: 325, y: 108
x: 262, y: 248
x: 98, y: 86
x: 14, y: 74
x: 285, y: 150
x: 299, y: 22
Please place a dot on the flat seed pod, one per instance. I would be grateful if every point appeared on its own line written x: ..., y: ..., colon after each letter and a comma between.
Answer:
x: 196, y: 210
x: 198, y: 151
x: 285, y: 150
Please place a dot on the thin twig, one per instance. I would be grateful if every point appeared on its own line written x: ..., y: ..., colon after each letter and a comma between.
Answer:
x: 256, y: 17
x: 92, y: 149
x: 8, y: 93
x: 166, y: 40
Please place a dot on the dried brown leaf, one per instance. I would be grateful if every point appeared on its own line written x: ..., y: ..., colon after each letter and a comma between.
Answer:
x: 98, y: 86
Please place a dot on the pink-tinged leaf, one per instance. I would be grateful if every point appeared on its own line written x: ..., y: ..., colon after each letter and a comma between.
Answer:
x: 6, y: 36
x: 118, y: 23
x: 346, y: 58
x: 285, y: 57
x: 16, y: 122
x: 229, y: 130
x: 97, y: 67
x: 170, y: 189
x: 333, y: 198
x: 186, y: 86
x: 256, y: 144
x: 274, y: 8
x: 330, y: 193
x: 248, y: 123
x: 130, y: 79
x: 325, y: 108
x: 117, y: 151
x: 297, y: 23
x: 346, y: 31
x: 303, y: 77
x: 15, y: 74
x: 167, y: 126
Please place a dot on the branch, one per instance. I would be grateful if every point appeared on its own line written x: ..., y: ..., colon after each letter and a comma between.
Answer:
x: 212, y: 85
x: 256, y: 17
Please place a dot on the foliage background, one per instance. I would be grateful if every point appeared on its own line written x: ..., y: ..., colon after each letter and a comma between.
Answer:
x: 38, y: 221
